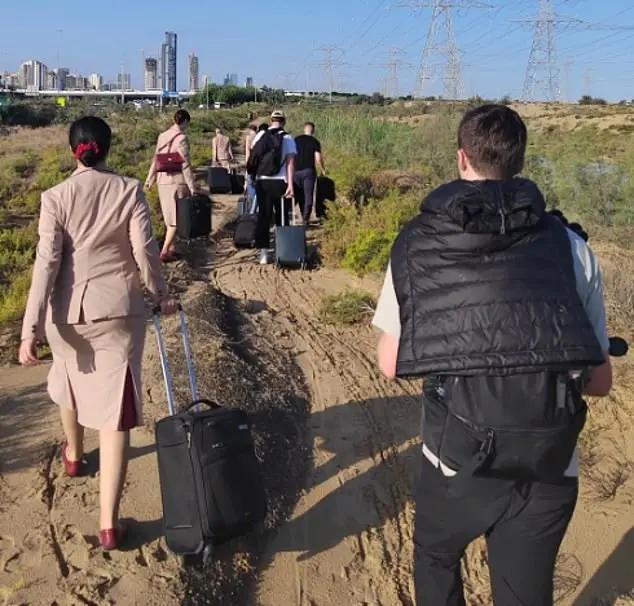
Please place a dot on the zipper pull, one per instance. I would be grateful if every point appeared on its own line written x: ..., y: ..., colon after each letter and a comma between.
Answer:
x: 503, y: 225
x: 189, y: 439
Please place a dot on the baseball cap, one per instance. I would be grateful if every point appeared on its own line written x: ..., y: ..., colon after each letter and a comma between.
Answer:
x: 278, y: 115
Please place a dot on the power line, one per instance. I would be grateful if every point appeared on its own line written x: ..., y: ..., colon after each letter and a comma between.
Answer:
x: 542, y: 71
x: 441, y: 43
x: 587, y: 81
x: 393, y: 64
x: 332, y: 61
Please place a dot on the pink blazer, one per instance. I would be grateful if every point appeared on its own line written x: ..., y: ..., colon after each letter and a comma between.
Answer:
x: 95, y: 245
x: 180, y: 143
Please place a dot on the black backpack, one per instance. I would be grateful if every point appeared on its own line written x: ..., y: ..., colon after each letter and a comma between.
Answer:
x: 266, y: 156
x: 520, y: 427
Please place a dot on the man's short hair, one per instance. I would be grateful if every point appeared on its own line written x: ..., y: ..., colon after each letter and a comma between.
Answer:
x: 493, y: 137
x: 311, y: 124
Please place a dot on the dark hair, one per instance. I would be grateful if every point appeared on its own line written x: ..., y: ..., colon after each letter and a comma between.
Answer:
x: 493, y: 137
x: 311, y: 124
x: 263, y: 126
x: 253, y: 127
x: 95, y: 135
x: 182, y: 115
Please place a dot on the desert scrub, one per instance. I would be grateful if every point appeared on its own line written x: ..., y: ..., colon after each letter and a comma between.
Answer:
x: 17, y: 247
x: 360, y: 238
x: 348, y: 307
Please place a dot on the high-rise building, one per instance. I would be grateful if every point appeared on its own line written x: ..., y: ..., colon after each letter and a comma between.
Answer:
x: 33, y: 75
x: 231, y: 80
x: 76, y: 82
x: 150, y: 74
x: 9, y: 80
x: 248, y: 83
x: 95, y: 82
x: 51, y: 80
x: 193, y: 73
x: 124, y: 81
x: 168, y: 62
x: 61, y: 73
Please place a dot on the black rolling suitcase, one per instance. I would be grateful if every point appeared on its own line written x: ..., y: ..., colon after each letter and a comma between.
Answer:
x: 193, y: 217
x: 219, y: 180
x: 325, y: 190
x: 237, y: 182
x: 211, y: 485
x: 290, y: 241
x: 246, y: 224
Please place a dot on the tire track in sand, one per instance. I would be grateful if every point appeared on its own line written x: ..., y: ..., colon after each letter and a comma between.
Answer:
x: 350, y: 538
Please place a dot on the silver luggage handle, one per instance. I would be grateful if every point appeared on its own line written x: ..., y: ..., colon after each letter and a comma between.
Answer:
x: 167, y: 376
x: 283, y: 209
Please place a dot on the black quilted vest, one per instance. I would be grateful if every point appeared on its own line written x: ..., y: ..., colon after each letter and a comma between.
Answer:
x: 485, y: 282
x: 490, y: 314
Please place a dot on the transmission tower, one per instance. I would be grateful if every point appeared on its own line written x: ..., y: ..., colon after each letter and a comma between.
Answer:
x: 332, y: 61
x: 567, y: 92
x: 393, y: 64
x: 441, y: 44
x: 587, y: 81
x: 542, y: 72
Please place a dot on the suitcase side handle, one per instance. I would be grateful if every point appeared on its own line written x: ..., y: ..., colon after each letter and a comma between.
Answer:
x: 196, y: 403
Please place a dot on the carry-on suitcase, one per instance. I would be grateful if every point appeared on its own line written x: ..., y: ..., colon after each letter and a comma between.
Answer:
x: 193, y: 217
x: 290, y: 241
x: 219, y: 180
x: 237, y: 182
x: 246, y: 224
x: 325, y: 190
x: 211, y: 485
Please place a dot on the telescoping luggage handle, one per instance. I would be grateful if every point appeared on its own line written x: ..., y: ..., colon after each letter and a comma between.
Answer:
x: 167, y: 376
x: 283, y: 210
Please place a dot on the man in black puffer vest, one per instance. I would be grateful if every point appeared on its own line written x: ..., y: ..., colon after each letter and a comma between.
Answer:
x: 500, y: 307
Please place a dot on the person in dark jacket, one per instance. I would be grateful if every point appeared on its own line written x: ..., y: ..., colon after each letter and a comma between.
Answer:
x: 499, y: 306
x: 309, y: 154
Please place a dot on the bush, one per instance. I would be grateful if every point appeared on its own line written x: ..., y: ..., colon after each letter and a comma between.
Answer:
x: 349, y: 307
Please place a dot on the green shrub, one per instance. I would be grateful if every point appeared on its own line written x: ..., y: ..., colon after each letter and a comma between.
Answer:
x: 349, y: 307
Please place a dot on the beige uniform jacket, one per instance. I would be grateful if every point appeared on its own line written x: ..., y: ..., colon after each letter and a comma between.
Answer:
x: 179, y: 143
x: 221, y: 147
x: 95, y: 245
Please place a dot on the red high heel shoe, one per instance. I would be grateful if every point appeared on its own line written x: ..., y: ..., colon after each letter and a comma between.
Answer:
x: 73, y: 468
x: 112, y: 538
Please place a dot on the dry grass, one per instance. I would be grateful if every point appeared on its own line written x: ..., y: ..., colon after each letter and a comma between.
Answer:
x: 610, y: 478
x: 617, y: 266
x: 24, y: 140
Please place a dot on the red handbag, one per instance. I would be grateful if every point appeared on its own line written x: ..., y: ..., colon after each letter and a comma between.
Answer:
x: 170, y: 162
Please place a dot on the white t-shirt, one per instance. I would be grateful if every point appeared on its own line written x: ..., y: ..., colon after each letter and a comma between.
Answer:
x: 590, y: 289
x: 288, y: 149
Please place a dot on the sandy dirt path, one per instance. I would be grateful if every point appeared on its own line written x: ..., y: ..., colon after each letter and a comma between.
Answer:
x: 49, y: 546
x: 349, y: 536
x: 354, y: 522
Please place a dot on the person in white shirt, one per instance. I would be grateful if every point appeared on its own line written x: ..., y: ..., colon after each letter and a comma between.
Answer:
x: 270, y: 189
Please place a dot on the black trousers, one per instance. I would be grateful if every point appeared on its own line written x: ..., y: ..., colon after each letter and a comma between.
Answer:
x: 524, y: 525
x: 305, y: 190
x: 269, y: 193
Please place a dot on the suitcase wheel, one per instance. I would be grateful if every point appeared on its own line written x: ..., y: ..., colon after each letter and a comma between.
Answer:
x: 207, y: 554
x: 259, y: 528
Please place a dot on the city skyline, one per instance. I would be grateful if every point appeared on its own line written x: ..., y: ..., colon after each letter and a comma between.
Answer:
x: 158, y: 74
x: 494, y: 45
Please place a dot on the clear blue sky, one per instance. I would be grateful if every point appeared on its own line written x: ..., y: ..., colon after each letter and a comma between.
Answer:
x: 275, y: 41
